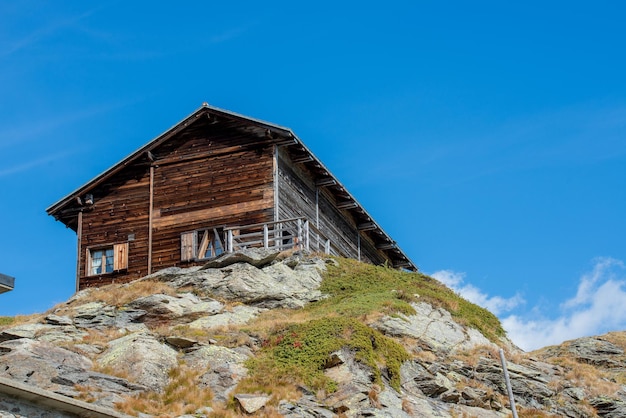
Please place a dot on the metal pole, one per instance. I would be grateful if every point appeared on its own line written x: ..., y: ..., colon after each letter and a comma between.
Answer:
x: 508, y: 384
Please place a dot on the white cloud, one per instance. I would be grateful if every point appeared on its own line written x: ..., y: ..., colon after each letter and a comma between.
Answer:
x: 599, y: 306
x: 495, y: 304
x: 29, y: 165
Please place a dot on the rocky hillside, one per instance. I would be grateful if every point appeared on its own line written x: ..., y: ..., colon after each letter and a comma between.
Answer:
x: 274, y: 335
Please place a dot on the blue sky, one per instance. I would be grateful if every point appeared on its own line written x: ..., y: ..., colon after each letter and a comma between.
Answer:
x: 489, y: 139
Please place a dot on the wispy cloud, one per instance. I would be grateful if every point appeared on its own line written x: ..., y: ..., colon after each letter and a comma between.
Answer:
x: 495, y: 304
x: 29, y: 165
x: 227, y: 35
x: 42, y: 32
x: 39, y: 126
x: 597, y: 307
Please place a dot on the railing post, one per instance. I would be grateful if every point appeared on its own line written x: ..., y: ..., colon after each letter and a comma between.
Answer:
x: 297, y: 244
x: 306, y: 235
x: 327, y: 247
x: 229, y: 241
x: 266, y: 242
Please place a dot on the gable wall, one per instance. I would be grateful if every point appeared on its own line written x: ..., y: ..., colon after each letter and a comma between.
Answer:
x: 201, y: 180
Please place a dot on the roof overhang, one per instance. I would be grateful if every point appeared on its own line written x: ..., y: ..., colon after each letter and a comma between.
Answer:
x: 275, y: 134
x: 6, y: 283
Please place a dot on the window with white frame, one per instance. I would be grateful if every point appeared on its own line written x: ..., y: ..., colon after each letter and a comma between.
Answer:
x: 107, y: 259
x: 201, y: 244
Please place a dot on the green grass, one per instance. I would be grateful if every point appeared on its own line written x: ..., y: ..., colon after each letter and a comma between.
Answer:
x: 6, y: 320
x: 301, y: 351
x: 296, y: 353
x: 359, y: 289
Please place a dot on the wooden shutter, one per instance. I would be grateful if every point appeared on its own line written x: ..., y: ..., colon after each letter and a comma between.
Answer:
x: 120, y: 256
x: 87, y: 262
x: 204, y: 244
x: 188, y: 246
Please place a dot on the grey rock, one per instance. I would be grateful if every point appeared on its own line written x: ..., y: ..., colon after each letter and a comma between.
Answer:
x: 433, y: 386
x: 180, y: 342
x: 59, y: 320
x: 46, y: 366
x: 44, y: 332
x: 251, y: 403
x: 98, y: 315
x: 257, y: 257
x: 608, y: 407
x: 575, y: 393
x: 224, y: 368
x: 144, y: 358
x: 595, y: 351
x: 238, y: 315
x: 432, y: 326
x: 160, y: 307
x: 304, y: 408
x: 288, y: 284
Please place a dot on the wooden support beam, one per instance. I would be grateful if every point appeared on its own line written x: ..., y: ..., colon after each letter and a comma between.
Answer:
x: 402, y: 264
x: 150, y: 218
x: 347, y: 204
x: 302, y: 159
x: 327, y: 181
x: 79, y: 244
x: 386, y: 246
x: 285, y: 141
x: 367, y: 226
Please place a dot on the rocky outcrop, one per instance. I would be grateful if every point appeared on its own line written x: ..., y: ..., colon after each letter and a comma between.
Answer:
x: 107, y: 352
x: 142, y: 357
x: 433, y: 327
x: 290, y: 283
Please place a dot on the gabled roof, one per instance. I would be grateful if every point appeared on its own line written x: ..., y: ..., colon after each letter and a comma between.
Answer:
x: 269, y: 133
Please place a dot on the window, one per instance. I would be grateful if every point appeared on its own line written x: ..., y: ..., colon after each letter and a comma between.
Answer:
x: 107, y: 259
x: 200, y: 245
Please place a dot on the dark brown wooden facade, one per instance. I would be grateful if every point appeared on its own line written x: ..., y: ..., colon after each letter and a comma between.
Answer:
x: 175, y: 201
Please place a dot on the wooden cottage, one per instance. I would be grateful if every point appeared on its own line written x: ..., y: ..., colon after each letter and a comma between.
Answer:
x: 215, y: 182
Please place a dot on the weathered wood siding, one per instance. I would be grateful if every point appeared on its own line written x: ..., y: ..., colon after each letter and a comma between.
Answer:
x: 230, y: 189
x: 205, y: 177
x: 120, y: 209
x: 297, y: 197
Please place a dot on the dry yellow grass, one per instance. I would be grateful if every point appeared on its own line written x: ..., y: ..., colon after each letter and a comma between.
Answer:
x: 473, y: 355
x: 182, y: 396
x: 533, y: 413
x: 120, y: 295
x: 12, y: 321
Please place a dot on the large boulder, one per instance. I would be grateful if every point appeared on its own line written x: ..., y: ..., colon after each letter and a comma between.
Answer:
x: 186, y: 306
x: 98, y: 315
x: 288, y: 283
x: 142, y: 358
x: 44, y: 365
x: 224, y: 368
x: 237, y: 315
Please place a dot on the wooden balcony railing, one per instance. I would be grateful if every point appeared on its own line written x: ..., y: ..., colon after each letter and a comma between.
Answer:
x: 295, y: 233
